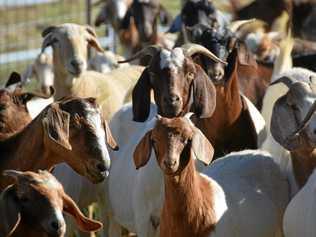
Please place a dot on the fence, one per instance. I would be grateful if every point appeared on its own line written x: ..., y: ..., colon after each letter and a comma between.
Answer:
x: 21, y: 24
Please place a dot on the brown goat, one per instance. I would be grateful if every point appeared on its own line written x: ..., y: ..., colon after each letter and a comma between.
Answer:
x: 33, y: 206
x: 224, y: 195
x: 170, y: 138
x: 14, y: 114
x: 71, y: 131
x: 182, y: 88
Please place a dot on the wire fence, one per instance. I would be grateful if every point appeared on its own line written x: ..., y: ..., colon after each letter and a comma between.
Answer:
x: 21, y: 24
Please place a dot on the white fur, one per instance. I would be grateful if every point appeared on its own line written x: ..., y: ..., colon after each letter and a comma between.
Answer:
x: 35, y: 106
x: 171, y: 59
x: 300, y: 215
x: 256, y: 194
x: 273, y: 93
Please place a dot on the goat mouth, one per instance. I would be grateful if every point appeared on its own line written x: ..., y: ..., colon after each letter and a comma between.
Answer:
x: 75, y: 72
x: 96, y: 176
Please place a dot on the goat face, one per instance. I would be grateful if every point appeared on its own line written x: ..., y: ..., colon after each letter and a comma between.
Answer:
x: 171, y: 91
x: 198, y: 12
x: 219, y: 41
x: 145, y: 15
x: 76, y: 124
x: 296, y: 109
x: 70, y: 46
x: 43, y: 70
x: 179, y: 84
x: 40, y: 200
x: 173, y: 140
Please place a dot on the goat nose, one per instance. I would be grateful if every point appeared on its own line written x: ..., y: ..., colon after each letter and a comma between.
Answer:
x: 55, y: 225
x: 218, y: 74
x: 76, y: 63
x: 172, y: 99
x: 169, y: 163
x: 101, y: 167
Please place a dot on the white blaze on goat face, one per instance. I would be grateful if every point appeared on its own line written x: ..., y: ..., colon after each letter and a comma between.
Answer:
x: 95, y: 120
x: 172, y: 60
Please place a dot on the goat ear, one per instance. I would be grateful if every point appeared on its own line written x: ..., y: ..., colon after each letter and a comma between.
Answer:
x: 141, y: 97
x: 283, y: 124
x: 202, y: 149
x: 102, y: 17
x: 14, y: 78
x: 109, y: 137
x: 56, y: 126
x: 48, y: 37
x: 92, y: 39
x: 245, y: 57
x: 143, y: 151
x: 164, y: 16
x: 85, y: 224
x: 125, y: 23
x: 9, y: 212
x: 204, y: 94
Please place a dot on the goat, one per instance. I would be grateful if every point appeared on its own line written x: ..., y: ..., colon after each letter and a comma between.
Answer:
x: 42, y: 71
x: 33, y: 206
x: 230, y: 128
x: 72, y: 131
x: 113, y: 12
x: 253, y: 78
x: 145, y: 14
x: 302, y: 205
x: 138, y: 208
x: 193, y: 13
x: 69, y: 42
x: 15, y: 106
x: 208, y: 203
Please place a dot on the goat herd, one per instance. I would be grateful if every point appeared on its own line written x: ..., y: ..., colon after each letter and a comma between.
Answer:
x: 218, y: 141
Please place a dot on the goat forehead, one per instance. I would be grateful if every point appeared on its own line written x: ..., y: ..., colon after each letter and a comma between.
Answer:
x: 172, y: 59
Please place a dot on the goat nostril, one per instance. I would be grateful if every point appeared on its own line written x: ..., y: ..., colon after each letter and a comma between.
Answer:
x: 55, y: 225
x: 169, y: 163
x: 76, y: 63
x: 101, y: 167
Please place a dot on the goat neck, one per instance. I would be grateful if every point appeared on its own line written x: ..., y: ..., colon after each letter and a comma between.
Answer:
x: 304, y: 162
x: 188, y: 203
x: 228, y: 120
x: 25, y: 151
x: 63, y: 80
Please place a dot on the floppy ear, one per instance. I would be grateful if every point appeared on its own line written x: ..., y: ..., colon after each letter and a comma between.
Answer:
x: 85, y: 224
x: 143, y: 151
x: 141, y: 97
x: 109, y: 138
x: 48, y: 37
x: 9, y: 212
x: 56, y: 126
x: 283, y: 124
x: 92, y: 39
x: 102, y: 17
x: 14, y: 78
x: 204, y: 94
x: 245, y: 57
x: 165, y: 17
x: 202, y: 149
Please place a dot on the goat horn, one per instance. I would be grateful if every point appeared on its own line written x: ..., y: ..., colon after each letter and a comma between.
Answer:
x: 235, y: 25
x: 12, y: 173
x: 148, y: 51
x: 304, y: 123
x: 191, y: 49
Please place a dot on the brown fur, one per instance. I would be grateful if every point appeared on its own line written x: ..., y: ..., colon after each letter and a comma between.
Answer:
x: 44, y: 191
x: 47, y: 141
x: 188, y: 208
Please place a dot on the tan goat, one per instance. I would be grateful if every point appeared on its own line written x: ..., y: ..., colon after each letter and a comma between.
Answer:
x: 34, y: 204
x: 70, y: 48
